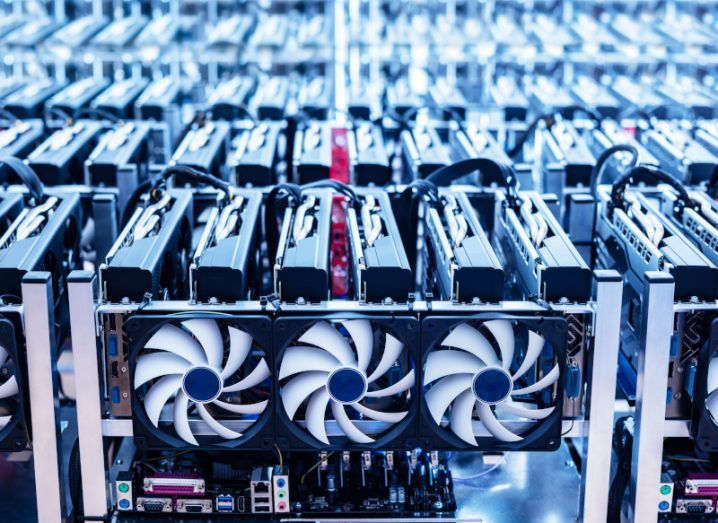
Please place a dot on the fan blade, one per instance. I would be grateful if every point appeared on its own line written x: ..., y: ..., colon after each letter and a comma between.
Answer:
x: 173, y: 339
x: 403, y: 384
x: 242, y: 408
x: 180, y: 416
x: 548, y: 380
x: 326, y: 337
x: 353, y: 433
x: 9, y: 388
x: 391, y: 353
x: 156, y: 364
x: 158, y: 396
x: 712, y: 406
x: 240, y: 344
x: 303, y: 359
x: 209, y: 337
x: 494, y: 426
x: 387, y: 417
x: 360, y: 331
x: 462, y: 413
x: 535, y: 346
x: 4, y: 420
x: 516, y: 409
x: 713, y: 375
x: 316, y: 410
x: 296, y: 391
x: 468, y: 339
x: 215, y: 425
x: 503, y: 333
x: 3, y: 355
x: 442, y: 363
x: 444, y: 392
x: 259, y: 373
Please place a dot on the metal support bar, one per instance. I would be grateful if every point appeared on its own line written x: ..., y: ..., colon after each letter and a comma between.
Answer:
x: 40, y: 344
x: 600, y: 404
x: 653, y: 361
x: 80, y: 289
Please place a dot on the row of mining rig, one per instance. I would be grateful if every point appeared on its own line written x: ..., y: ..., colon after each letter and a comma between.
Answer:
x: 326, y: 380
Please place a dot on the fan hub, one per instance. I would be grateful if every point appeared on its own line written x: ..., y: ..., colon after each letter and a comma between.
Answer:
x: 347, y: 385
x: 492, y: 385
x: 202, y: 384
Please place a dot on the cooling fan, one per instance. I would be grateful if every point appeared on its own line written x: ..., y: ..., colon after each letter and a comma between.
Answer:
x: 13, y: 434
x: 201, y: 382
x: 494, y: 384
x: 348, y: 382
x: 705, y: 421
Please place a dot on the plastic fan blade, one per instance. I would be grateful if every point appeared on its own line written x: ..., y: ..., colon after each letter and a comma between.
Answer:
x: 516, y: 409
x: 360, y: 331
x: 325, y: 336
x: 242, y: 408
x: 259, y: 373
x: 548, y: 380
x: 503, y: 332
x: 175, y: 340
x: 442, y: 363
x: 240, y: 344
x: 387, y: 417
x: 712, y: 375
x: 391, y: 353
x: 444, y: 392
x: 207, y: 333
x: 180, y: 416
x: 303, y: 359
x: 712, y: 406
x: 403, y: 384
x: 462, y: 413
x: 535, y: 346
x: 158, y: 396
x: 298, y: 389
x: 9, y: 388
x: 3, y: 355
x: 316, y: 410
x: 353, y: 433
x: 4, y: 420
x: 156, y: 364
x: 495, y: 427
x: 468, y: 339
x: 215, y: 425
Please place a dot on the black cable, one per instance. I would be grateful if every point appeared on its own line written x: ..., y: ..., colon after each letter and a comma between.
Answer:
x: 27, y: 176
x: 281, y: 194
x: 191, y: 174
x: 597, y: 171
x: 550, y: 119
x: 93, y: 111
x: 407, y: 215
x: 75, y: 481
x: 132, y: 202
x: 336, y: 185
x: 643, y: 171
x: 4, y: 113
x: 623, y: 446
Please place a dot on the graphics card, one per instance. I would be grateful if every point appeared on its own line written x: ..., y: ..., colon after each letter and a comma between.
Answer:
x: 254, y: 153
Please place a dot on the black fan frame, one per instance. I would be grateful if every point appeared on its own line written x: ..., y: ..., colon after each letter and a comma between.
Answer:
x: 703, y: 427
x: 15, y: 436
x: 138, y: 328
x: 546, y: 434
x: 405, y: 327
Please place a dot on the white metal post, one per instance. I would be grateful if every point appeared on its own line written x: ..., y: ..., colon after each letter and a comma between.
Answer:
x: 80, y: 289
x: 596, y: 463
x: 652, y: 381
x: 39, y: 325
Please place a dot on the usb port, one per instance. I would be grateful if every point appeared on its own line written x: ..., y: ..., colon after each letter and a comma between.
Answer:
x: 112, y: 345
x: 115, y: 393
x: 261, y: 500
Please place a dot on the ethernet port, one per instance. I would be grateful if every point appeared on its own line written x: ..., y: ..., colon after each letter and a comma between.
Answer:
x: 261, y: 487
